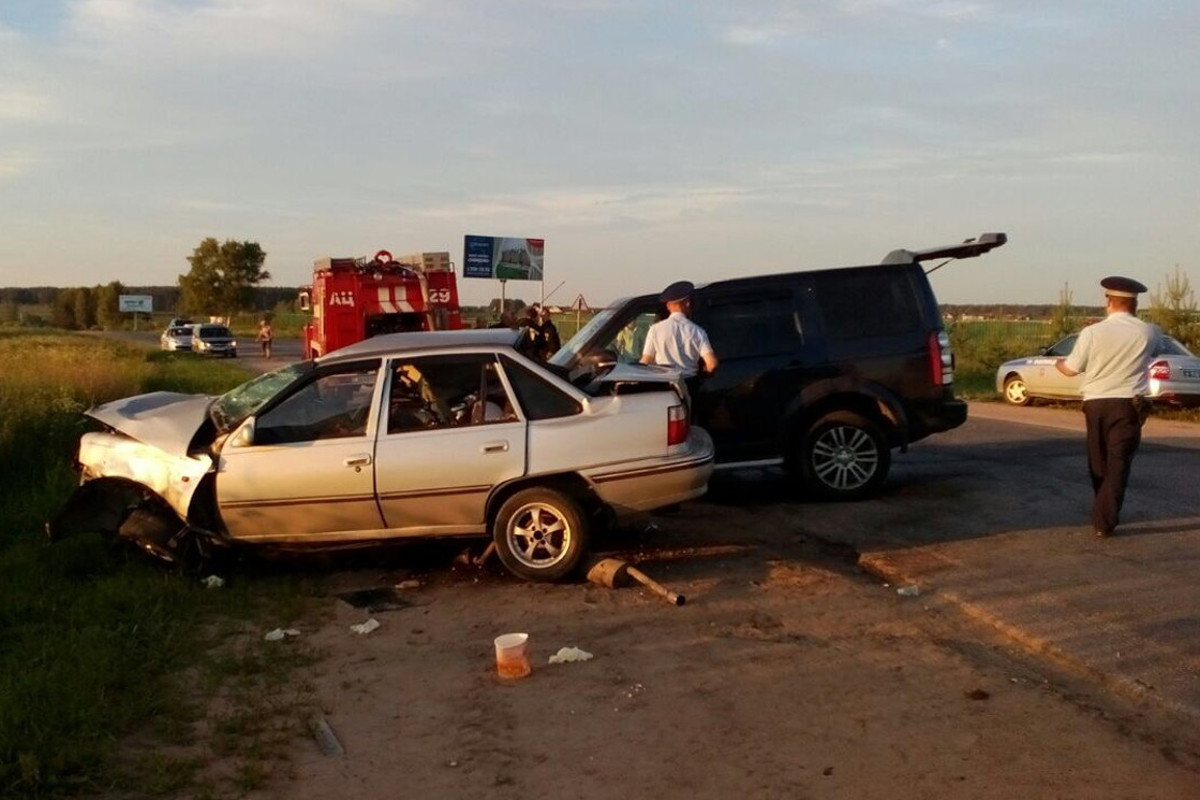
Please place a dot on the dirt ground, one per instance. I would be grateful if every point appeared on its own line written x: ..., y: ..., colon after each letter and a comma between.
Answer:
x: 789, y: 673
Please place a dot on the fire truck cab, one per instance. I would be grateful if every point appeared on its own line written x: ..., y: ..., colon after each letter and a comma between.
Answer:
x: 352, y: 299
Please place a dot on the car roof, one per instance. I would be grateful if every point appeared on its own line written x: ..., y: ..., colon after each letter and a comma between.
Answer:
x: 422, y: 340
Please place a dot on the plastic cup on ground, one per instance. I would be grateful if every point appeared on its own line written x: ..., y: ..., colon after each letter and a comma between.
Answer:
x: 512, y: 655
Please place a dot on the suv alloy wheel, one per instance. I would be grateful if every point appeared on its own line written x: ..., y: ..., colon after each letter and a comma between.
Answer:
x: 844, y: 456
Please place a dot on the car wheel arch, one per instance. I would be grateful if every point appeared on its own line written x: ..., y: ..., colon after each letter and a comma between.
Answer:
x: 102, y: 504
x: 878, y: 406
x: 571, y: 483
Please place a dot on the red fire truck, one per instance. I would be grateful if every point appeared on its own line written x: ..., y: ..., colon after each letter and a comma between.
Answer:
x: 352, y: 299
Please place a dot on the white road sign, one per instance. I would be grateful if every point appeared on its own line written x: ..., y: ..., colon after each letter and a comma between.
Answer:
x: 135, y: 302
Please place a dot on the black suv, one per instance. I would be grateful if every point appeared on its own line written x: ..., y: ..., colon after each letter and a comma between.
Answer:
x: 823, y: 372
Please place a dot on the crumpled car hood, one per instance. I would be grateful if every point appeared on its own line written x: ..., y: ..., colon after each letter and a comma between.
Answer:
x: 166, y: 420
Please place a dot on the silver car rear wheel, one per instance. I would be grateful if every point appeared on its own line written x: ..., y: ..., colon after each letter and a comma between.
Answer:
x: 540, y: 534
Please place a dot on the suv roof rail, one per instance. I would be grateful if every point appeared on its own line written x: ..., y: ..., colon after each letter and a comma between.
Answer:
x: 968, y: 249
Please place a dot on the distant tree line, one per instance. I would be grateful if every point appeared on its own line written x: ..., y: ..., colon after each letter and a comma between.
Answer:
x: 90, y: 307
x: 1015, y: 311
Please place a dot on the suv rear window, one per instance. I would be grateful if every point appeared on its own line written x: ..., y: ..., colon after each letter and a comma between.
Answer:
x: 864, y: 303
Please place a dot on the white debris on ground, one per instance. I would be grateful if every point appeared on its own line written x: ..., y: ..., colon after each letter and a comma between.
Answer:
x: 213, y: 582
x: 409, y: 584
x: 280, y: 633
x: 365, y: 627
x: 568, y: 655
x: 909, y: 591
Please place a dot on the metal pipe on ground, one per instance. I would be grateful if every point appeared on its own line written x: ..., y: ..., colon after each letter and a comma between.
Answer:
x: 613, y: 573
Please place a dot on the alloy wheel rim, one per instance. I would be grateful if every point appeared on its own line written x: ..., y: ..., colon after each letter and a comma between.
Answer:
x: 539, y: 535
x: 1016, y: 391
x: 845, y: 457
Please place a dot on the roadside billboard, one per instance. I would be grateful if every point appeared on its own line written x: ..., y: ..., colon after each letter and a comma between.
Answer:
x: 137, y: 303
x: 504, y: 258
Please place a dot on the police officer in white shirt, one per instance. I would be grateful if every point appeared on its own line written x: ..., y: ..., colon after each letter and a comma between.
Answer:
x: 1113, y: 356
x: 677, y: 341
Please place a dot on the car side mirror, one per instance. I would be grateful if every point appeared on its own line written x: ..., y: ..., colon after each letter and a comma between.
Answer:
x: 244, y: 435
x: 1045, y: 350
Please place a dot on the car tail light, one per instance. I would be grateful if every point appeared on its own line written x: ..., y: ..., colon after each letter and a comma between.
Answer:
x: 1160, y: 371
x: 677, y: 425
x: 941, y: 359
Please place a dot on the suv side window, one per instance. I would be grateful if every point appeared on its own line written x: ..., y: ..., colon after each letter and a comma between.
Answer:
x: 865, y: 303
x: 538, y: 399
x: 750, y: 325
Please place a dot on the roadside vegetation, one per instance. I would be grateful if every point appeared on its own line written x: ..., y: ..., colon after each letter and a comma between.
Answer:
x: 99, y: 646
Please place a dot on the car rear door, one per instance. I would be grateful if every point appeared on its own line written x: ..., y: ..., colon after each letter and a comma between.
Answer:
x: 450, y: 432
x: 764, y: 356
x: 307, y: 473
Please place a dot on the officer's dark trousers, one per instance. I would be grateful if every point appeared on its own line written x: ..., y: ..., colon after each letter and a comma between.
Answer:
x: 1114, y: 430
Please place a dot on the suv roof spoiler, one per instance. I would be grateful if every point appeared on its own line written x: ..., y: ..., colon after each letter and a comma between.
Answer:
x: 968, y: 249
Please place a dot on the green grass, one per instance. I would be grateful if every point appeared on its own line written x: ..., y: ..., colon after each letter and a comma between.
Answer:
x: 97, y: 643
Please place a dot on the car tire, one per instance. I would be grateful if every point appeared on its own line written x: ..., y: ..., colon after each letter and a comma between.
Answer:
x: 1016, y: 392
x: 540, y: 534
x: 843, y: 456
x: 156, y: 533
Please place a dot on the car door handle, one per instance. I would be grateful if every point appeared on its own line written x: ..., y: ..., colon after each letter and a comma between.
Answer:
x: 360, y: 460
x: 494, y: 447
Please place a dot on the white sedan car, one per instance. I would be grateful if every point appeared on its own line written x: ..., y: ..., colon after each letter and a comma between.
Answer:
x: 176, y: 337
x: 406, y: 435
x: 1174, y: 376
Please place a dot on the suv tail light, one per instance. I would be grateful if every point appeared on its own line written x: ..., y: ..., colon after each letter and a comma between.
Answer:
x: 1160, y: 371
x: 677, y: 425
x: 941, y: 359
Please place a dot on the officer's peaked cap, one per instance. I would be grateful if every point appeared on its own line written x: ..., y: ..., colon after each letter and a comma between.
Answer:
x: 679, y: 290
x: 1118, y: 286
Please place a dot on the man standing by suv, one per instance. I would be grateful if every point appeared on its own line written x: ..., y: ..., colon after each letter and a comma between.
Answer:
x: 1113, y: 355
x: 677, y: 341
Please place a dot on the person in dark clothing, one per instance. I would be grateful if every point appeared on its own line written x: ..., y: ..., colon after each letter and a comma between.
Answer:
x: 506, y: 321
x: 540, y: 338
x: 1113, y: 356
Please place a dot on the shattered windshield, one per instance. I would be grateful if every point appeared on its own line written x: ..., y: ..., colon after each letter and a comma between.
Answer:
x: 566, y: 356
x: 231, y: 408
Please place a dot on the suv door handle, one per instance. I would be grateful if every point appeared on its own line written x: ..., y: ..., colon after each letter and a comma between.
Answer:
x: 360, y: 460
x: 495, y: 447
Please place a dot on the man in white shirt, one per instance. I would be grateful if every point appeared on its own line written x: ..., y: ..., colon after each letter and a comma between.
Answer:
x: 1113, y: 356
x: 677, y: 341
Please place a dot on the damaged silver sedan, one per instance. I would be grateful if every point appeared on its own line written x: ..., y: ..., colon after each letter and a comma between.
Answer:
x: 400, y: 436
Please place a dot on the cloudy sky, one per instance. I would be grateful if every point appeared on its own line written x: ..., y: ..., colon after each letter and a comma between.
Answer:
x: 645, y: 141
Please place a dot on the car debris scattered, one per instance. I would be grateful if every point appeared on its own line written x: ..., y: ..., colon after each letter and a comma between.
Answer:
x: 570, y: 655
x: 363, y: 628
x: 279, y: 633
x: 613, y: 573
x: 213, y: 582
x: 409, y: 584
x: 909, y: 591
x: 327, y: 740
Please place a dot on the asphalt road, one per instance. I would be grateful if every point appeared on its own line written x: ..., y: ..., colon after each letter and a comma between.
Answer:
x: 283, y: 351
